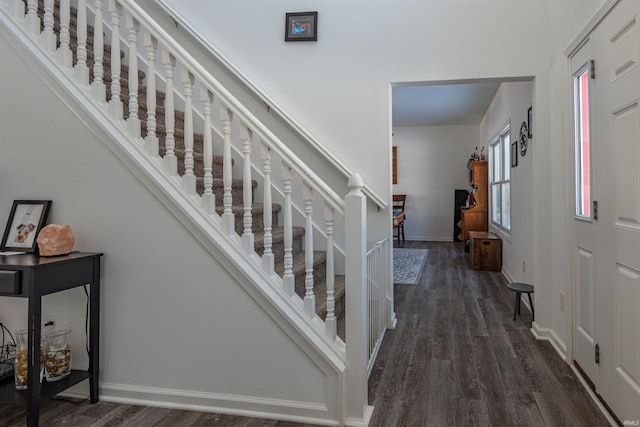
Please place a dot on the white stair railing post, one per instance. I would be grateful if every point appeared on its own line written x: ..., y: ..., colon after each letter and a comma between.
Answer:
x: 151, y: 142
x: 309, y: 297
x: 115, y: 103
x: 228, y: 220
x: 331, y: 321
x: 267, y: 256
x: 288, y: 279
x: 208, y: 198
x: 356, y: 301
x: 133, y: 121
x: 188, y: 179
x: 98, y: 88
x: 64, y: 51
x: 246, y: 135
x: 81, y: 70
x: 33, y: 20
x: 48, y: 36
x: 170, y: 158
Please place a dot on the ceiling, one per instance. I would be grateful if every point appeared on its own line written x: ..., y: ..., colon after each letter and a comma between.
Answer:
x: 438, y: 104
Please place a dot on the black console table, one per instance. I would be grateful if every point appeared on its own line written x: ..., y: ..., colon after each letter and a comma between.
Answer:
x: 30, y: 276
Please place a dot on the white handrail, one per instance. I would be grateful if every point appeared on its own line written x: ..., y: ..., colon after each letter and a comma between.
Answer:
x: 368, y: 191
x: 239, y: 110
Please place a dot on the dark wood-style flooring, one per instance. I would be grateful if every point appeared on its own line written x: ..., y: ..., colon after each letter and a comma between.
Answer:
x: 456, y: 358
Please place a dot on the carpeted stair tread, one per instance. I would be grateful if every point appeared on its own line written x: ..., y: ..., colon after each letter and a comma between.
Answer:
x: 257, y: 218
x: 299, y: 269
x: 339, y: 295
x: 237, y: 197
x: 277, y: 241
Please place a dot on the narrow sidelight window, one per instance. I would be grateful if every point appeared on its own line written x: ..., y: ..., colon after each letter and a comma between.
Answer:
x: 582, y: 143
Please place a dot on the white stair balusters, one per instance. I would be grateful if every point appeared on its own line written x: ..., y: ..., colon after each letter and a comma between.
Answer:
x: 267, y: 256
x: 170, y: 158
x: 309, y: 297
x: 48, y: 36
x: 288, y: 279
x: 151, y: 142
x: 32, y: 20
x: 115, y: 103
x: 228, y: 220
x: 208, y: 198
x: 377, y: 272
x: 246, y: 135
x: 188, y: 179
x: 81, y: 69
x: 133, y: 121
x: 97, y: 85
x: 65, y: 54
x: 330, y: 322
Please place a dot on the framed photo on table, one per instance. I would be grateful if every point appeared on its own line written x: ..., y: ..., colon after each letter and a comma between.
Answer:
x: 26, y: 219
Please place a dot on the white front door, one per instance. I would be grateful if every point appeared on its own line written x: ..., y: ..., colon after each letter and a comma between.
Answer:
x: 607, y: 248
x: 583, y: 251
x: 617, y: 164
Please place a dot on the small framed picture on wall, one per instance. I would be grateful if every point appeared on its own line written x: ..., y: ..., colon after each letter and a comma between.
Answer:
x: 301, y: 27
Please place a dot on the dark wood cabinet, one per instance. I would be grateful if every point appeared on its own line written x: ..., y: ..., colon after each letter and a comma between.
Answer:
x: 475, y: 218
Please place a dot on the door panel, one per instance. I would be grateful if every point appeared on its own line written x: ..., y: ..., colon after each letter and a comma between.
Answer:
x: 627, y: 337
x: 626, y: 172
x: 584, y: 313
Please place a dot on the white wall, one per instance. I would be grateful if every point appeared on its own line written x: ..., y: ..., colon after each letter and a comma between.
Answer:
x: 177, y: 326
x: 432, y: 163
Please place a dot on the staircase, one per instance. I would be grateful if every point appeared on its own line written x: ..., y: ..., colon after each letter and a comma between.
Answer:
x: 237, y: 207
x: 300, y: 243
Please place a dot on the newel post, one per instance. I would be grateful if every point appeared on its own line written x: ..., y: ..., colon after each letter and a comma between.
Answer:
x: 357, y: 409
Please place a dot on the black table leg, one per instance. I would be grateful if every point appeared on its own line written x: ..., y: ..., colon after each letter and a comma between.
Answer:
x: 33, y: 364
x: 516, y: 306
x: 533, y: 313
x: 94, y: 343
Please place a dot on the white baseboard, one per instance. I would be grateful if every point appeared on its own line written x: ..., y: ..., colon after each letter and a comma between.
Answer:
x: 368, y: 412
x: 593, y: 397
x: 545, y: 334
x: 245, y: 406
x: 430, y: 239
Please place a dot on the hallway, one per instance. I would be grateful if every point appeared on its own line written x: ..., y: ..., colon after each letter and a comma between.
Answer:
x: 456, y: 356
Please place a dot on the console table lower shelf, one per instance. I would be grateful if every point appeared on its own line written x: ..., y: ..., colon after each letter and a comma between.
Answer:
x: 9, y: 394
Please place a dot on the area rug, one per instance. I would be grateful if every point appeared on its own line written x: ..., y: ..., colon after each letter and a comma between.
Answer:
x: 408, y: 264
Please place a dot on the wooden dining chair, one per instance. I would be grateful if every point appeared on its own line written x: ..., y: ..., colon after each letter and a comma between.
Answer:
x: 399, y: 215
